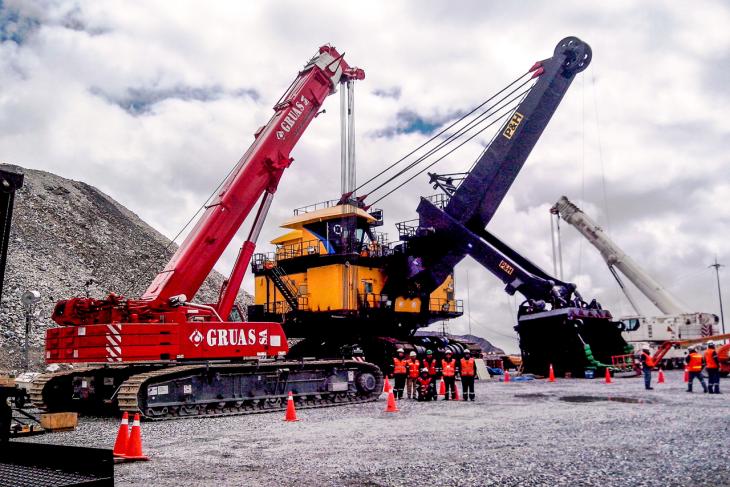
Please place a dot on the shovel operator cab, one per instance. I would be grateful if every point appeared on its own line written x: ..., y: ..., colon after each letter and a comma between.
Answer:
x: 166, y: 356
x: 326, y: 281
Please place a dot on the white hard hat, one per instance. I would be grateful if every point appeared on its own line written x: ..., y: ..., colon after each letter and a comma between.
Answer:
x: 467, y: 351
x: 400, y: 350
x: 413, y: 354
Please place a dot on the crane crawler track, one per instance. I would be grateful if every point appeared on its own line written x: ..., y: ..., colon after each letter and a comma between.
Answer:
x: 38, y: 385
x: 220, y: 389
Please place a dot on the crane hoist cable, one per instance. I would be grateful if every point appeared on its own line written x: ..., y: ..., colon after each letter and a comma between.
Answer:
x: 478, y: 120
x: 508, y: 113
x: 474, y: 123
x: 600, y: 157
x: 441, y: 132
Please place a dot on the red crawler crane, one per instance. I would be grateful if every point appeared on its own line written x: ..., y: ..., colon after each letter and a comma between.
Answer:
x: 151, y: 337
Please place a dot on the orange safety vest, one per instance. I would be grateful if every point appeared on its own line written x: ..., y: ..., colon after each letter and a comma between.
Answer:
x: 467, y: 367
x: 649, y: 359
x: 710, y: 359
x: 448, y: 367
x: 695, y: 362
x: 413, y: 368
x: 399, y: 365
x: 431, y: 365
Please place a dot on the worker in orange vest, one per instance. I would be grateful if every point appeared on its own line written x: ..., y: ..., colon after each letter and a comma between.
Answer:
x: 430, y: 363
x: 467, y: 370
x: 647, y: 363
x: 694, y: 366
x: 414, y: 368
x: 712, y: 364
x: 448, y: 372
x: 424, y: 383
x: 400, y: 371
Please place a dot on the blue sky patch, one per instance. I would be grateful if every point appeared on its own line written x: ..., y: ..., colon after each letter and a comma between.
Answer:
x: 409, y: 122
x: 138, y: 101
x: 15, y: 27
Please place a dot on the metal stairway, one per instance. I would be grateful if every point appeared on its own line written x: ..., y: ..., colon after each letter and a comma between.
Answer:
x: 285, y: 286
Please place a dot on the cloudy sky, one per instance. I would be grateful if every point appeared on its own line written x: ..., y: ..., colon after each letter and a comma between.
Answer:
x: 152, y: 102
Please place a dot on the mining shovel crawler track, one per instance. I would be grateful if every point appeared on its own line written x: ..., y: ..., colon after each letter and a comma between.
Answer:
x: 165, y: 391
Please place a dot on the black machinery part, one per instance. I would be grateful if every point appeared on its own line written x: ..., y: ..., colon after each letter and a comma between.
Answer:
x: 35, y: 464
x: 10, y: 182
x: 381, y: 350
x: 555, y: 338
x: 170, y: 391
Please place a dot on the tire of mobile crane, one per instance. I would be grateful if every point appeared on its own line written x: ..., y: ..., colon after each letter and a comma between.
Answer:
x: 165, y: 391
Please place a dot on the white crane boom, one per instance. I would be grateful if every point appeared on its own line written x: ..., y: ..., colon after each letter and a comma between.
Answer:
x: 615, y: 257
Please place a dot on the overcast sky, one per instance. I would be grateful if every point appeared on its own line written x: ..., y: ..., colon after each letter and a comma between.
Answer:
x: 153, y: 103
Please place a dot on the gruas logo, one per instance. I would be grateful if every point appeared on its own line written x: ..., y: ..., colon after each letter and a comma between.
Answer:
x: 196, y: 337
x: 223, y: 337
x: 291, y: 118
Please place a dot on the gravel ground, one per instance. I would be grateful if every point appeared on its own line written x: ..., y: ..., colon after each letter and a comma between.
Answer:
x: 513, y: 434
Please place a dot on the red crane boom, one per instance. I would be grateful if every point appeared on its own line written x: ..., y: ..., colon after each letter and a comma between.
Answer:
x: 258, y: 172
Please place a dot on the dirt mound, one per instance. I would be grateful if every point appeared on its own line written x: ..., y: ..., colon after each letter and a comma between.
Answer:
x: 70, y: 239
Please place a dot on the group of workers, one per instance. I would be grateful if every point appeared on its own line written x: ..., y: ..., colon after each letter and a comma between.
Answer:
x: 420, y: 377
x: 695, y: 362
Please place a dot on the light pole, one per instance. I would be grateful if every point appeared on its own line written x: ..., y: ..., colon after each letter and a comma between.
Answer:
x: 717, y: 266
x: 29, y: 299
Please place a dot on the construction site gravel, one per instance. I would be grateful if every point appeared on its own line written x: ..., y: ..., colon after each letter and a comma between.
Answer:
x: 571, y: 432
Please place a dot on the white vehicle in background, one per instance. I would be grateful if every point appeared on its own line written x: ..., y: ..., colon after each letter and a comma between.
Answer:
x: 674, y: 324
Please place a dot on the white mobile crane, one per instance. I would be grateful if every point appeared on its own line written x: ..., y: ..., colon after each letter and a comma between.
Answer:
x: 675, y: 323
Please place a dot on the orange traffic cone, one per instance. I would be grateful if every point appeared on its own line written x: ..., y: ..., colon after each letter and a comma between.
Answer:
x: 456, y: 394
x: 386, y: 386
x: 551, y: 377
x: 660, y: 379
x: 442, y: 389
x: 291, y: 413
x: 134, y: 446
x: 686, y: 374
x: 608, y: 376
x: 391, y: 408
x: 120, y: 445
x: 506, y: 375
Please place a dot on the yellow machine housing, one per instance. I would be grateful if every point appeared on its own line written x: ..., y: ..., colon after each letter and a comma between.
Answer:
x: 332, y: 264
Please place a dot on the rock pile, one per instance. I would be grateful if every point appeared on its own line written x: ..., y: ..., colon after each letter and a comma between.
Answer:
x: 70, y: 239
